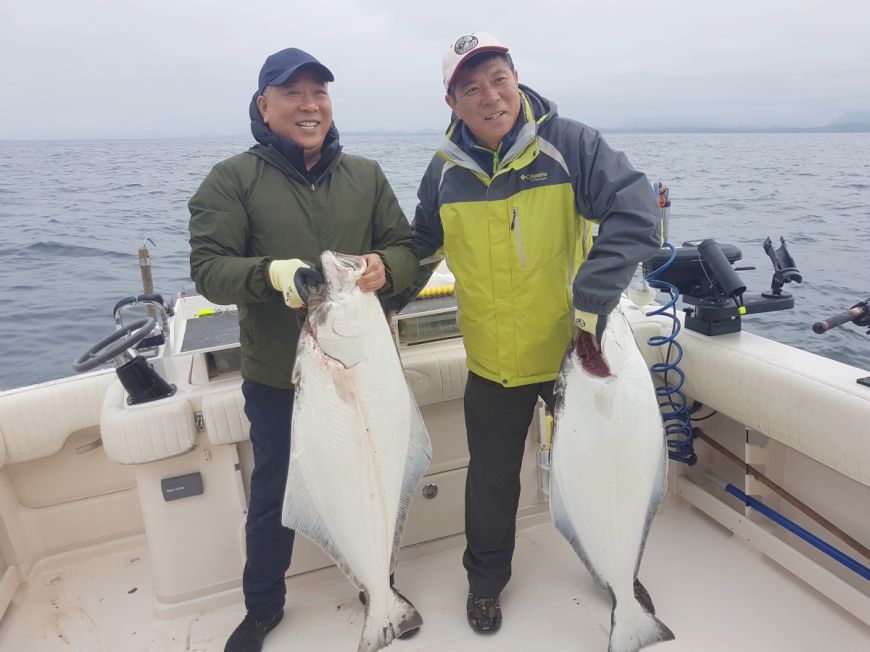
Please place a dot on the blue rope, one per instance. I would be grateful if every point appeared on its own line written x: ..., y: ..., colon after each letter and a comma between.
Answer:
x: 796, y: 529
x: 672, y: 400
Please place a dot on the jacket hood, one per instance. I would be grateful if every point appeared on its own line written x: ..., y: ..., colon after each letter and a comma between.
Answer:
x: 541, y: 106
x: 289, y: 149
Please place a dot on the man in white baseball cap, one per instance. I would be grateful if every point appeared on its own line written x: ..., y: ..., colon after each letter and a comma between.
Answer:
x: 510, y: 197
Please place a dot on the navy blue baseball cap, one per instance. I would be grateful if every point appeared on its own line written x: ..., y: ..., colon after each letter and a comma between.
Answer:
x: 279, y: 66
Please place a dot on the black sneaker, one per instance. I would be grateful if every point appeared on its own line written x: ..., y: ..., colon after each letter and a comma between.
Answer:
x: 484, y: 614
x: 249, y: 635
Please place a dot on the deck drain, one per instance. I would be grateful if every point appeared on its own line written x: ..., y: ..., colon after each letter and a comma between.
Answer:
x: 57, y: 578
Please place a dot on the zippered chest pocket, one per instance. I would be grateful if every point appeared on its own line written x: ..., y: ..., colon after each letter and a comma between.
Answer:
x: 516, y: 228
x: 540, y: 236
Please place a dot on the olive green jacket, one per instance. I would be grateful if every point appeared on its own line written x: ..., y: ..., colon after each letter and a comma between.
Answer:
x: 256, y: 207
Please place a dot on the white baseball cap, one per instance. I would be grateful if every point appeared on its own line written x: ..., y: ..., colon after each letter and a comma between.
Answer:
x: 465, y: 47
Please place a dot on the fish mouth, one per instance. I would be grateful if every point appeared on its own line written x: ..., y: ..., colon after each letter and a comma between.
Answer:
x: 340, y: 269
x: 348, y: 262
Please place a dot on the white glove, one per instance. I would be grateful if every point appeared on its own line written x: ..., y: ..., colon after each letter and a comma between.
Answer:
x: 294, y: 279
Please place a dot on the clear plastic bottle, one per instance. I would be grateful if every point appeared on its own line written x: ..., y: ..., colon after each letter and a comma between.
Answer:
x: 639, y: 291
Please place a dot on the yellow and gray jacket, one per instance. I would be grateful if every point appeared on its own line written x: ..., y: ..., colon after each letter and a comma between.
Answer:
x: 515, y: 235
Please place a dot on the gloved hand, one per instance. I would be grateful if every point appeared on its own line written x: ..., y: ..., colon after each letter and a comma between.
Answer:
x: 294, y: 279
x: 591, y: 323
x: 588, y: 343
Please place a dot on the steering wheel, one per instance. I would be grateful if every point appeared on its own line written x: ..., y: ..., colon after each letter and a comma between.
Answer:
x: 115, y: 344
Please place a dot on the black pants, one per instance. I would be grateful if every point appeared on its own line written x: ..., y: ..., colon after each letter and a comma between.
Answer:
x: 269, y: 544
x: 497, y: 420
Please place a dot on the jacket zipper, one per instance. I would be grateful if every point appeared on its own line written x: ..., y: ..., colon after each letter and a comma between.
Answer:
x: 515, y: 227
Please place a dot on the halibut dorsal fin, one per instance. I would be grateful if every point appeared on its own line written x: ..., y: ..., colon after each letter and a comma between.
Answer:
x: 419, y: 456
x: 299, y: 513
x: 562, y: 522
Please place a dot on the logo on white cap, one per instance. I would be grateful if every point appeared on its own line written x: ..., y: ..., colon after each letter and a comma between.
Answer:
x: 465, y: 44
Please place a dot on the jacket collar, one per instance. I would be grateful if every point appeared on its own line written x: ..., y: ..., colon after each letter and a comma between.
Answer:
x: 534, y: 111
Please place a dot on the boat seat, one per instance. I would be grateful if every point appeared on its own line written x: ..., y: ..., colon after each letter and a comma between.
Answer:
x: 224, y: 416
x: 35, y: 424
x: 136, y: 434
x: 434, y: 376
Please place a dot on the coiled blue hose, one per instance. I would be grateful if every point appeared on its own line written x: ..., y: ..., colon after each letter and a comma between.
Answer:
x: 672, y: 400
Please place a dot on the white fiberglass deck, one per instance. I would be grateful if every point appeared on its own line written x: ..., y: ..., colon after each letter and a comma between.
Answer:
x: 716, y: 593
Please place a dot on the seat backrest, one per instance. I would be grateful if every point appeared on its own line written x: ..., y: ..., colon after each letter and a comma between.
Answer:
x: 36, y: 421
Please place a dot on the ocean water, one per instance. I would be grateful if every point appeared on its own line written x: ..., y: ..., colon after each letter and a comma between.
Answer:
x: 74, y: 213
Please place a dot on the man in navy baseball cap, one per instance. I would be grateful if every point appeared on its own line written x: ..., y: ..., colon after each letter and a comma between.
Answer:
x: 292, y: 111
x: 256, y: 222
x: 279, y: 66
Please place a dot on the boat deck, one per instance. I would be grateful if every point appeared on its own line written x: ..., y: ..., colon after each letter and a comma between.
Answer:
x: 715, y: 592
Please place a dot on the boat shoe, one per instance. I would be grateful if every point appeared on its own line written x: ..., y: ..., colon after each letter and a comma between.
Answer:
x: 484, y: 614
x: 249, y: 635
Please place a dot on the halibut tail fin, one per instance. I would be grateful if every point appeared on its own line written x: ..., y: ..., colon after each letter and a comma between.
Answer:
x: 378, y: 633
x: 634, y: 627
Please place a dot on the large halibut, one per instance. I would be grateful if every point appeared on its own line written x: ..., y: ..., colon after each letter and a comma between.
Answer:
x: 359, y: 446
x: 608, y: 472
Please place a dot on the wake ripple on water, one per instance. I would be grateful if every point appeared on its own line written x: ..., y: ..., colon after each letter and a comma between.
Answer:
x: 74, y: 251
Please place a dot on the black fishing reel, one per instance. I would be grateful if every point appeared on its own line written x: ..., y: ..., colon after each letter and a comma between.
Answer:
x: 703, y: 272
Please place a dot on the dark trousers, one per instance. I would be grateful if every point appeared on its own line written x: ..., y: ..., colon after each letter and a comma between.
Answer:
x: 269, y: 544
x: 497, y: 419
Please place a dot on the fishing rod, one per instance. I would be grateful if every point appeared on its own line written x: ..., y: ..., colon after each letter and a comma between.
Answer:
x: 859, y: 314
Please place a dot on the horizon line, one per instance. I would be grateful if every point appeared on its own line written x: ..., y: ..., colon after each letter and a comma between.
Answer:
x: 844, y: 128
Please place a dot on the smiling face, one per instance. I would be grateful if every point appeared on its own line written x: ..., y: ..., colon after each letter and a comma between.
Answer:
x: 487, y: 99
x: 299, y: 109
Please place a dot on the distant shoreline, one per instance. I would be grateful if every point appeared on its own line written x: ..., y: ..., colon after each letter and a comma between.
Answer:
x: 830, y: 129
x: 838, y: 129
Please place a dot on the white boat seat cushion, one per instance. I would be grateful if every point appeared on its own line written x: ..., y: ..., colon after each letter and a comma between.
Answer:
x: 433, y: 377
x: 147, y: 432
x: 224, y: 415
x: 36, y: 423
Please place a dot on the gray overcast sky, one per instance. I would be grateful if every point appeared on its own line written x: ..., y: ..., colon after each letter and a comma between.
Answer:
x: 115, y: 68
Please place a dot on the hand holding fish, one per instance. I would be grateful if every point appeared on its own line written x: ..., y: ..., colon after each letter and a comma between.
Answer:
x: 588, y: 342
x: 591, y: 323
x: 294, y: 279
x: 375, y: 276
